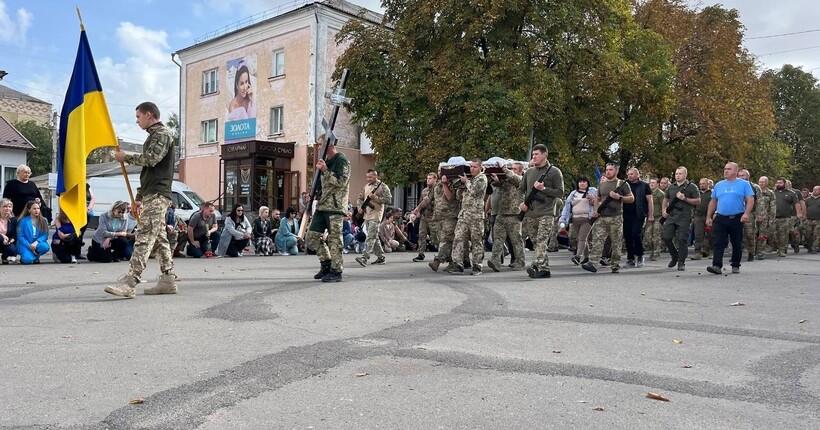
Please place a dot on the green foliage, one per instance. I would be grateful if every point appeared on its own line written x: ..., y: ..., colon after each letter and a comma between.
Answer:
x: 797, y: 109
x: 653, y: 84
x: 40, y: 135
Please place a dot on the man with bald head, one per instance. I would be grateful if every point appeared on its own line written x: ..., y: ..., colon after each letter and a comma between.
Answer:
x: 731, y: 206
x: 765, y: 216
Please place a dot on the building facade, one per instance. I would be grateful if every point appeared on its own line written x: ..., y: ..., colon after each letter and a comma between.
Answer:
x: 14, y: 147
x: 252, y: 103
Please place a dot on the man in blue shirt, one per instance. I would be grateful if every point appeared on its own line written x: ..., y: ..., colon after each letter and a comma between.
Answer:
x: 731, y: 206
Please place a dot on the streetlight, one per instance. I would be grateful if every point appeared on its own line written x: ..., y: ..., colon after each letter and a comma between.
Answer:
x: 3, y: 74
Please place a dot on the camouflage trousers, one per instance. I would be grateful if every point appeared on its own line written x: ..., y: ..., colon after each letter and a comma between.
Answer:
x: 764, y: 232
x: 330, y: 249
x: 750, y: 236
x: 152, y: 237
x: 606, y: 227
x: 372, y: 245
x: 507, y: 227
x: 813, y: 234
x: 703, y: 238
x: 446, y: 229
x: 779, y: 240
x: 652, y: 240
x: 427, y: 233
x: 553, y: 239
x: 471, y: 229
x: 541, y: 229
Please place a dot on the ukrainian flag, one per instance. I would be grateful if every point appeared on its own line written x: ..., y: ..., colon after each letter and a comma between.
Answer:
x: 84, y: 126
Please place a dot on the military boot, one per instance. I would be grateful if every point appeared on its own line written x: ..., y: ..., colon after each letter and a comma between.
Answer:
x: 166, y: 285
x: 324, y: 270
x: 332, y: 276
x: 434, y: 264
x: 125, y: 287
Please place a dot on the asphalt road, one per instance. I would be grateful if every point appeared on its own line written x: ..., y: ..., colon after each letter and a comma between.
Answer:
x: 256, y: 343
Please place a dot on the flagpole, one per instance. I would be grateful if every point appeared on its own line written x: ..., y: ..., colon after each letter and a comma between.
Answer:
x: 122, y: 164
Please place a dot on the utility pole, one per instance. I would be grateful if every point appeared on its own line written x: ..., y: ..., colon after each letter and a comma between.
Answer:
x: 55, y: 140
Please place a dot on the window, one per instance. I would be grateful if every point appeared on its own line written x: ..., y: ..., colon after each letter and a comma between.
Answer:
x: 210, y: 81
x: 278, y: 66
x: 209, y: 131
x: 277, y: 120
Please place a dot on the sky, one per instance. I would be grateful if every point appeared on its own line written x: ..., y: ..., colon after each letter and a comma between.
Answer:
x: 132, y: 42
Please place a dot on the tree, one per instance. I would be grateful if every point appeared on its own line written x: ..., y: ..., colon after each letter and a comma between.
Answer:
x: 174, y: 125
x: 40, y: 135
x: 441, y: 78
x: 796, y: 98
x: 722, y: 109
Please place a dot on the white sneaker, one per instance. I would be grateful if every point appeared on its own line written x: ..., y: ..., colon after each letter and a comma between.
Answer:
x: 284, y: 253
x: 12, y: 259
x: 73, y: 259
x: 54, y: 257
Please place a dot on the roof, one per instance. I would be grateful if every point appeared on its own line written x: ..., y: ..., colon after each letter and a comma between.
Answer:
x: 12, y: 139
x: 343, y: 6
x: 8, y: 93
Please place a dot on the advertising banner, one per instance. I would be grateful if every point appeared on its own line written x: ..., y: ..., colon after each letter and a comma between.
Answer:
x: 241, y: 105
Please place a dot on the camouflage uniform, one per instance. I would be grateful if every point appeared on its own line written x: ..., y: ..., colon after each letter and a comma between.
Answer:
x: 470, y: 223
x: 178, y: 238
x: 813, y: 223
x: 783, y: 223
x: 552, y: 246
x: 445, y: 212
x: 750, y: 226
x: 765, y: 211
x: 373, y: 218
x: 507, y: 226
x: 703, y: 238
x: 610, y: 224
x: 427, y: 223
x: 652, y: 241
x: 330, y: 211
x: 539, y: 219
x: 156, y: 178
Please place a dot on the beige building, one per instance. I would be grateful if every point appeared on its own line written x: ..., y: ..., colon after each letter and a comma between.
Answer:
x: 18, y: 107
x: 252, y: 103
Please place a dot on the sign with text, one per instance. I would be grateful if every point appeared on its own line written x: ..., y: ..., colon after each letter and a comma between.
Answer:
x: 241, y: 105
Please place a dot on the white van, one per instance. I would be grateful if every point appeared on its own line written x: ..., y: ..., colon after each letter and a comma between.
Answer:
x: 108, y: 189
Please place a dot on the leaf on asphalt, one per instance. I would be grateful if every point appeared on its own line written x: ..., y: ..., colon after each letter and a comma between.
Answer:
x: 68, y: 336
x: 557, y: 351
x: 137, y: 401
x: 30, y: 282
x: 656, y: 396
x: 407, y: 318
x: 582, y: 401
x: 801, y: 321
x: 361, y: 374
x: 643, y: 294
x: 598, y: 408
x: 686, y: 366
x: 738, y: 304
x: 677, y: 341
x: 591, y: 305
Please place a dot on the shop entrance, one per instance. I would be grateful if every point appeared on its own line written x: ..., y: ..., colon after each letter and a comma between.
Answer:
x: 258, y: 174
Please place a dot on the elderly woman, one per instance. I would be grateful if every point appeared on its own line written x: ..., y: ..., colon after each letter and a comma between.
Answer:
x: 578, y: 211
x: 262, y: 232
x: 8, y: 232
x: 286, y: 239
x: 21, y: 191
x: 236, y: 235
x: 110, y: 240
x: 32, y: 234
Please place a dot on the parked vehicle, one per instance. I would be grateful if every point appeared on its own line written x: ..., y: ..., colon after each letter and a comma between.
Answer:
x: 108, y: 189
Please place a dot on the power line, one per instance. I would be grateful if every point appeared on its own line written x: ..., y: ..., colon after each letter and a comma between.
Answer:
x: 790, y: 50
x: 781, y: 34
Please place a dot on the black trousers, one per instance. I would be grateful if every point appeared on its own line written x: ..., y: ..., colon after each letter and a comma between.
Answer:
x: 633, y: 235
x: 724, y: 229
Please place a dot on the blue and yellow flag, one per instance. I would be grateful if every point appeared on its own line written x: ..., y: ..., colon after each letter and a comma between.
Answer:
x: 84, y: 126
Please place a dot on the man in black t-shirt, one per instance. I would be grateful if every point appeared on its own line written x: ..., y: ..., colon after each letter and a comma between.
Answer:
x: 635, y: 214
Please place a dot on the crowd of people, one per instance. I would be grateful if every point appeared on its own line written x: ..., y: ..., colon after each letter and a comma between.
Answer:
x: 527, y: 206
x: 461, y: 218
